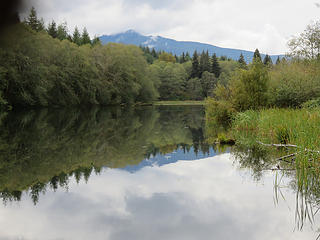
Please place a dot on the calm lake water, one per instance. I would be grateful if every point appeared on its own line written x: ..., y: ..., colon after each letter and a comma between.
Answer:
x: 143, y: 173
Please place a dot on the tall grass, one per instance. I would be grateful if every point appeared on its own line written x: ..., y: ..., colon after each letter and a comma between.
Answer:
x: 299, y: 127
x: 288, y: 126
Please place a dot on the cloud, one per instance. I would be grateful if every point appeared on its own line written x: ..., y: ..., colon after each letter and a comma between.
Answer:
x: 246, y: 24
x: 156, y: 4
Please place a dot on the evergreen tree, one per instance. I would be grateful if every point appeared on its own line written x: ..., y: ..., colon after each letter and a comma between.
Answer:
x: 96, y: 41
x: 52, y: 29
x: 41, y: 26
x: 62, y: 31
x: 267, y: 60
x: 242, y: 62
x: 257, y: 56
x: 34, y: 22
x: 176, y: 57
x: 188, y: 58
x: 278, y: 61
x: 204, y: 62
x: 85, y: 38
x: 182, y: 58
x: 223, y: 58
x: 154, y: 53
x: 76, y: 38
x: 70, y: 38
x: 195, y: 71
x: 215, y: 68
x: 208, y: 83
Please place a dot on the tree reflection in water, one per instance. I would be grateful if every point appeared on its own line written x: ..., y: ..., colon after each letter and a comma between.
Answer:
x: 42, y: 149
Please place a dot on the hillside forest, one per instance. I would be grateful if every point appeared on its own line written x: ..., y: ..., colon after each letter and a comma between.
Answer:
x: 49, y: 66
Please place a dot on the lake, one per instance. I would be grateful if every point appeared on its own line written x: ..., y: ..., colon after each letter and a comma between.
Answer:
x: 143, y: 173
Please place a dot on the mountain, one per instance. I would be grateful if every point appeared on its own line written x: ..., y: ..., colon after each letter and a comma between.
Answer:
x: 177, y: 155
x: 177, y: 47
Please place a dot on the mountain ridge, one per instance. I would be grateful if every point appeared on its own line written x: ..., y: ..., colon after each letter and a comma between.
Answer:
x: 160, y: 43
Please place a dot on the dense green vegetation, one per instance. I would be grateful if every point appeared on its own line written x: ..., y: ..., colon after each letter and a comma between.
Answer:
x: 289, y: 83
x: 37, y: 70
x: 186, y: 78
x: 49, y: 66
x: 296, y: 130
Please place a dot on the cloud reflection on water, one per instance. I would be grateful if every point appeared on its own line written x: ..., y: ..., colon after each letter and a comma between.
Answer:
x: 205, y: 199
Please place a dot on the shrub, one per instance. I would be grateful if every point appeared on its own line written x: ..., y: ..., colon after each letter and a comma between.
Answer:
x: 292, y: 84
x: 311, y: 103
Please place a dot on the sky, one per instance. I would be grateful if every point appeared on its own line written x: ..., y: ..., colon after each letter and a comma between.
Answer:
x: 241, y: 24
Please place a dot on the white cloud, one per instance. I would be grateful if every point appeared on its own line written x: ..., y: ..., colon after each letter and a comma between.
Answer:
x: 246, y: 24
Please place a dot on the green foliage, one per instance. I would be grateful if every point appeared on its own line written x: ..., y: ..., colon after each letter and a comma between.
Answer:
x: 215, y: 68
x: 76, y: 37
x: 249, y: 89
x: 228, y: 70
x: 307, y: 44
x: 204, y: 65
x: 167, y: 57
x: 195, y: 73
x: 194, y: 89
x: 172, y: 78
x: 257, y: 56
x: 220, y: 112
x: 242, y: 62
x: 38, y: 70
x: 62, y: 31
x: 96, y: 41
x: 294, y: 83
x: 267, y: 61
x: 295, y: 126
x: 52, y: 29
x: 33, y: 21
x: 314, y: 103
x: 85, y: 38
x: 208, y: 83
x: 282, y: 134
x: 246, y: 90
x: 299, y: 127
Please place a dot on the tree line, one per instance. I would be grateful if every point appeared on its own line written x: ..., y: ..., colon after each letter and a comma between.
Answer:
x: 59, y: 31
x: 48, y: 66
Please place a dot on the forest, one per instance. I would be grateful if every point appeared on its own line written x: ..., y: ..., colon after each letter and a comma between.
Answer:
x: 42, y: 66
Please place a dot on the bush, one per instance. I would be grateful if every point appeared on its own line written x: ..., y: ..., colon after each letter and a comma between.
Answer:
x: 311, y: 103
x: 294, y: 83
x: 219, y: 111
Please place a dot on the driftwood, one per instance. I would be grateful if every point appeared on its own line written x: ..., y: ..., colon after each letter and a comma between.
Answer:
x: 288, y: 156
x: 287, y: 145
x: 277, y: 145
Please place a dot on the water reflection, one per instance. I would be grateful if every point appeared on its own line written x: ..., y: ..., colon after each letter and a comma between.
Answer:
x: 261, y: 161
x: 143, y: 173
x: 205, y: 199
x: 44, y: 148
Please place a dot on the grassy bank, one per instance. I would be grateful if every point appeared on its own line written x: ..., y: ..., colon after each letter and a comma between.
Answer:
x: 290, y: 136
x: 299, y: 127
x: 170, y: 103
